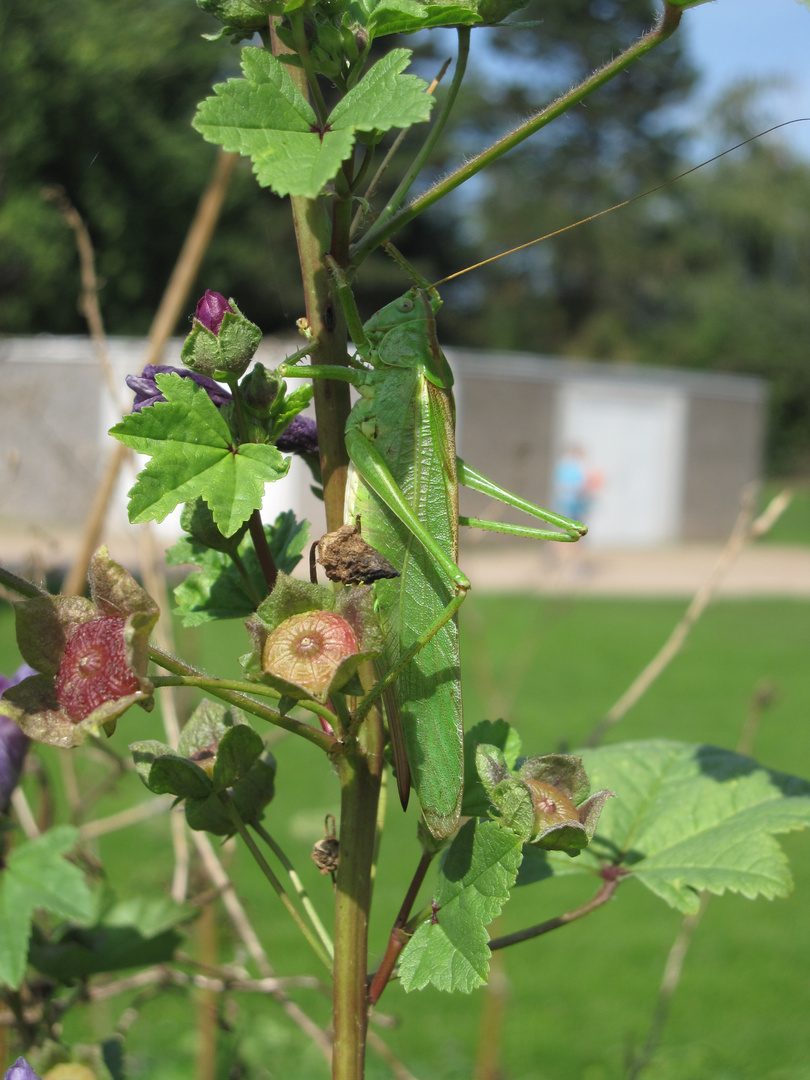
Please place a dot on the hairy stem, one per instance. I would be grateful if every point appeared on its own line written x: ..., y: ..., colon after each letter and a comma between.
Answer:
x: 380, y: 232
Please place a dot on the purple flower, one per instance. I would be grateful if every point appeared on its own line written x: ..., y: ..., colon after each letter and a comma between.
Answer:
x: 211, y: 310
x: 299, y: 437
x: 21, y: 1070
x: 13, y: 747
x: 147, y: 392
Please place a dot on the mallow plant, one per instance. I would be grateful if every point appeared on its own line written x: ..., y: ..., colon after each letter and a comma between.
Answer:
x: 358, y: 658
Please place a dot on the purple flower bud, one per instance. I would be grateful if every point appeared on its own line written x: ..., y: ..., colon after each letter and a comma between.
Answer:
x: 147, y: 392
x: 299, y: 437
x: 13, y: 747
x: 211, y: 310
x: 21, y: 1070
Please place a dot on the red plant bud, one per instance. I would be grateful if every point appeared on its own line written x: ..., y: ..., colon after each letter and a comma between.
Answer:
x: 94, y: 668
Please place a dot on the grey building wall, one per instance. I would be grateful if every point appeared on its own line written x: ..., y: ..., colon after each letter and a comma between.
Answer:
x: 55, y: 412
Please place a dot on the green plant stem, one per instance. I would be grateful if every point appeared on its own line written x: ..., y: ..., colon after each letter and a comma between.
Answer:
x: 300, y: 38
x: 255, y: 526
x: 398, y: 938
x: 382, y: 230
x: 204, y: 682
x: 312, y: 734
x: 406, y: 183
x: 359, y: 771
x: 301, y: 892
x: 326, y: 326
x: 605, y: 893
x: 261, y: 862
x: 21, y: 585
x: 263, y: 552
x: 245, y: 576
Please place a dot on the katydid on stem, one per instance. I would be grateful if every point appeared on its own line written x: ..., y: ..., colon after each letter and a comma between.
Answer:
x: 400, y: 437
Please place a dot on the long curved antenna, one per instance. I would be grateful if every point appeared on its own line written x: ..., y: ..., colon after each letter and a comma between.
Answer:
x: 618, y: 206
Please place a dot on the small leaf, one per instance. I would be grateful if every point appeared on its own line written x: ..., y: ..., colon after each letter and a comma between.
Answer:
x: 238, y: 750
x: 451, y: 951
x: 408, y: 16
x: 168, y: 773
x: 494, y: 733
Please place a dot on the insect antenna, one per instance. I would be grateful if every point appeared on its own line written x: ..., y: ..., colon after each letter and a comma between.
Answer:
x: 609, y: 209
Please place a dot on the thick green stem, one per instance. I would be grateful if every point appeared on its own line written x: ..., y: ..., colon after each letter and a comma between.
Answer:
x: 381, y: 231
x: 359, y: 771
x: 314, y: 237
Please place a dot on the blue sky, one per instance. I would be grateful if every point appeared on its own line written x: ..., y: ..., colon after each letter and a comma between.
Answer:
x: 735, y: 39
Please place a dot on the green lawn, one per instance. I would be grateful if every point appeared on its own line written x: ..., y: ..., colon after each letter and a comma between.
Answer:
x: 577, y: 998
x: 793, y: 527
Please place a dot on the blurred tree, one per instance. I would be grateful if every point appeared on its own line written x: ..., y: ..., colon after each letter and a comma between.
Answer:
x: 97, y: 96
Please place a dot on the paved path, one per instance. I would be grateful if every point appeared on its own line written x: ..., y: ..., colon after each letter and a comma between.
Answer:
x: 762, y: 570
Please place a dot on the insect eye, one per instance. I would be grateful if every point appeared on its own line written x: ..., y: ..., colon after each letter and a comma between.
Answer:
x: 406, y: 304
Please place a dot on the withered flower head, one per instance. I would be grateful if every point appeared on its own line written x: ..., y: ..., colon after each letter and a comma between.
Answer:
x: 92, y: 656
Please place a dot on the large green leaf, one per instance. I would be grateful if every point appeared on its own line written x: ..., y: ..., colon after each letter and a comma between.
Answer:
x: 688, y: 818
x: 265, y: 117
x: 193, y: 456
x: 451, y: 950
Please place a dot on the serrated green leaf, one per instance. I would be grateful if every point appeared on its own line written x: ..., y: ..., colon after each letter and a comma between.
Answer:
x: 384, y: 98
x: 688, y: 818
x: 265, y: 117
x: 37, y: 876
x: 193, y: 456
x: 451, y: 951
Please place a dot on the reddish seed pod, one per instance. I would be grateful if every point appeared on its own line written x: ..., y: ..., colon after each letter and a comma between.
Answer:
x: 94, y: 668
x: 307, y: 649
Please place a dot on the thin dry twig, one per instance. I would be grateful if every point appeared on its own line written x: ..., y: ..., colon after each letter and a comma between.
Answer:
x: 243, y: 927
x: 88, y: 299
x: 171, y: 305
x: 744, y: 531
x: 159, y: 804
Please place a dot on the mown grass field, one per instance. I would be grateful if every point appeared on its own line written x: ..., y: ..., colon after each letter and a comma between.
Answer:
x: 578, y: 998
